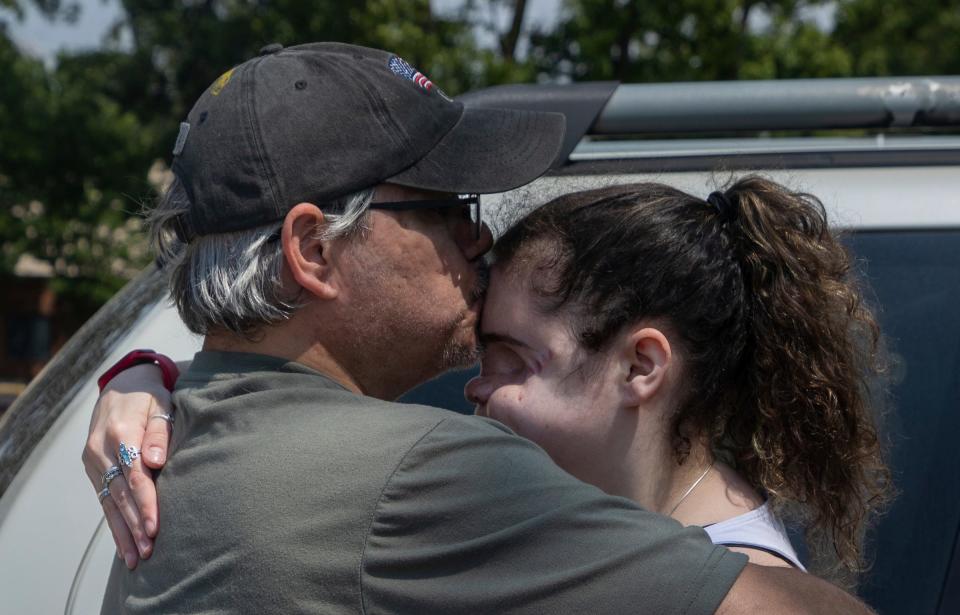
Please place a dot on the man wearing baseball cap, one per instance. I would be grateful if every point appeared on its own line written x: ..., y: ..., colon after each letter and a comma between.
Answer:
x: 323, y: 234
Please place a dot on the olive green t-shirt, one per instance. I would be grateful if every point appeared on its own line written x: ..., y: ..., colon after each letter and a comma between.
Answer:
x: 286, y: 493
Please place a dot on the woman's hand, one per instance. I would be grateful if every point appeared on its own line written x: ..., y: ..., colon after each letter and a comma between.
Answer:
x: 134, y: 409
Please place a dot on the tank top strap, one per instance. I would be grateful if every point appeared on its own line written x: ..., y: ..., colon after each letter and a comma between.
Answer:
x: 756, y: 529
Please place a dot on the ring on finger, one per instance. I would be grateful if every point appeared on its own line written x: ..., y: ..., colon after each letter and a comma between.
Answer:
x: 163, y: 415
x: 111, y: 473
x: 127, y: 454
x: 103, y: 493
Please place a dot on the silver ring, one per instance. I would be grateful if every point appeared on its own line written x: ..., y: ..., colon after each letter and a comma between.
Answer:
x: 167, y: 417
x: 111, y: 473
x: 127, y: 454
x: 103, y: 493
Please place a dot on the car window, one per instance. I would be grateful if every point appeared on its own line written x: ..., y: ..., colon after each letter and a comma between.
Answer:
x: 916, y: 281
x: 445, y: 391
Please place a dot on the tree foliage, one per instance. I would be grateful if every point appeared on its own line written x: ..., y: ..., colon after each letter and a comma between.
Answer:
x: 72, y: 170
x: 900, y: 38
x: 83, y: 143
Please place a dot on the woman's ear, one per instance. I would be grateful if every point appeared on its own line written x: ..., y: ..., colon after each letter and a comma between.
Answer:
x: 649, y: 359
x: 306, y: 255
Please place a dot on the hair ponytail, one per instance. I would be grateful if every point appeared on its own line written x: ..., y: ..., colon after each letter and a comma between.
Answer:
x: 803, y: 430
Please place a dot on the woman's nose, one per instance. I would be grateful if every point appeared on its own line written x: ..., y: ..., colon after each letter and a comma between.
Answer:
x: 477, y: 390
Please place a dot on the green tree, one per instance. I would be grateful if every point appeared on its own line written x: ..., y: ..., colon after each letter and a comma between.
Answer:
x: 72, y: 170
x: 686, y: 40
x: 900, y: 38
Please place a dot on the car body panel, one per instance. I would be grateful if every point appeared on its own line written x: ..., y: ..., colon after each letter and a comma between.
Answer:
x: 47, y: 514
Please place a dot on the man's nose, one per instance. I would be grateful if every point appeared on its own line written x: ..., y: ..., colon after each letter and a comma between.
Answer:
x: 477, y: 390
x: 473, y: 244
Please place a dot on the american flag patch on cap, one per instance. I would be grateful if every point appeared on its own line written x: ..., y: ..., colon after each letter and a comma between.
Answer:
x: 401, y: 68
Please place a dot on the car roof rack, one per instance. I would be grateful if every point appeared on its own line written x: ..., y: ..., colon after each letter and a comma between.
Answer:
x: 608, y: 110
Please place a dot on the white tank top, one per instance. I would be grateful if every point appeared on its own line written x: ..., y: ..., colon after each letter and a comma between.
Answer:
x: 757, y: 529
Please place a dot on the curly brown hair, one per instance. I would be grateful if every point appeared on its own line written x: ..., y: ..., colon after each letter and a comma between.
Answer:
x: 777, y: 343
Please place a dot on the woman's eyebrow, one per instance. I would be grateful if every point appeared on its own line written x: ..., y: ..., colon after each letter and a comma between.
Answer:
x: 490, y: 338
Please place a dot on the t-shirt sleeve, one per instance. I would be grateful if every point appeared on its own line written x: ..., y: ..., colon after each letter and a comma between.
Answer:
x: 477, y: 520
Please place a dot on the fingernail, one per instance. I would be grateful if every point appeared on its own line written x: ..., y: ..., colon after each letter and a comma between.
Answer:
x: 151, y: 527
x: 156, y: 454
x: 131, y: 560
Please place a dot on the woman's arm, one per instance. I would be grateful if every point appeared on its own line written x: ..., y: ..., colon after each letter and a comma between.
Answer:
x: 130, y: 410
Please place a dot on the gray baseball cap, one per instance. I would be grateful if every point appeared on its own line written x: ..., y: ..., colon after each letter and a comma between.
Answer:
x: 316, y: 122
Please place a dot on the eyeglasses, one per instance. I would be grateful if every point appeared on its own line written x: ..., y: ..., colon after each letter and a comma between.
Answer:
x: 471, y: 201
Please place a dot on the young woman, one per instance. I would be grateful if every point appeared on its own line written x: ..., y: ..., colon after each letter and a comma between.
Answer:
x: 706, y: 359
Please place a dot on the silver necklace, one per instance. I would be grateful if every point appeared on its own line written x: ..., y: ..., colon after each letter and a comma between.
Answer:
x: 690, y: 490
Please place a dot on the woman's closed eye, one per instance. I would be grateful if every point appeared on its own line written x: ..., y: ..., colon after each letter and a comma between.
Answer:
x: 499, y: 358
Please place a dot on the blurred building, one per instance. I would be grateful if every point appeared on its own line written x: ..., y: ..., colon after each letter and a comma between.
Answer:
x: 34, y: 324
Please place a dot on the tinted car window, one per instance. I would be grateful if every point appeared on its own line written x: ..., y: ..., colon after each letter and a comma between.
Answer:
x: 916, y: 279
x: 445, y: 391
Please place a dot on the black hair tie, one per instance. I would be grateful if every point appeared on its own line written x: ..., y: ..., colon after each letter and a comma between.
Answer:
x: 726, y: 209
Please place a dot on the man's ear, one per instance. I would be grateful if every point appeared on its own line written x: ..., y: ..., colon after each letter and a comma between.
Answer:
x: 306, y: 255
x: 649, y: 360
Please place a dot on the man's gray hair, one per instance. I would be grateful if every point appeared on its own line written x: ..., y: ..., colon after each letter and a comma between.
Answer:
x: 232, y: 281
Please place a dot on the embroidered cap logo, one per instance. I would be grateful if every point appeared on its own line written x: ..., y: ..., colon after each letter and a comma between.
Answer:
x: 221, y: 83
x: 402, y: 69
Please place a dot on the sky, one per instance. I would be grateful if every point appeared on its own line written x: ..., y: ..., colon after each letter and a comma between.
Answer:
x: 41, y: 37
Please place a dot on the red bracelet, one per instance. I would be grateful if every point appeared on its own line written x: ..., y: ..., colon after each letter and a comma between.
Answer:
x: 144, y: 355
